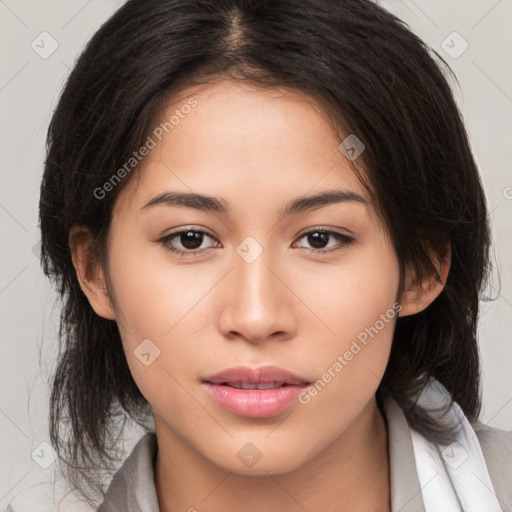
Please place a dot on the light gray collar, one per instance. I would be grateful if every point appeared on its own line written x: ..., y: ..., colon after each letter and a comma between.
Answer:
x: 133, y: 487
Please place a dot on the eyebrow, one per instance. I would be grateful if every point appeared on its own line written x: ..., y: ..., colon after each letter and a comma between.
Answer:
x: 218, y: 205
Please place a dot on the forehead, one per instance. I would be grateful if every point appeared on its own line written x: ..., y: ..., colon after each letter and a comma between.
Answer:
x: 224, y: 137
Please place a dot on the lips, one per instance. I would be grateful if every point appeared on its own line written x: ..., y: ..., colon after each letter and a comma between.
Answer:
x: 255, y: 393
x: 267, y: 377
x: 259, y: 385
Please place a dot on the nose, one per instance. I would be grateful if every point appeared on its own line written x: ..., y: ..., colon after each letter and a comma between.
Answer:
x: 257, y: 302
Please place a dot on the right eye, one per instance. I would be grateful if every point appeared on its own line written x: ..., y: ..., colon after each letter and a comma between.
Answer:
x: 190, y: 240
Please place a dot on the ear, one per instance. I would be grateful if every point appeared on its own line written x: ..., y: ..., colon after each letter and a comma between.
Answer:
x: 90, y: 276
x: 419, y: 294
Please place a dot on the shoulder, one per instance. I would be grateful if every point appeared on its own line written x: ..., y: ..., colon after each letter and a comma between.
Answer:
x: 491, y: 436
x: 496, y: 447
x: 133, y: 482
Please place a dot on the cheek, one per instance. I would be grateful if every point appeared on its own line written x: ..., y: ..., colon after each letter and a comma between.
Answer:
x: 160, y: 307
x: 356, y: 305
x: 151, y: 294
x: 350, y: 297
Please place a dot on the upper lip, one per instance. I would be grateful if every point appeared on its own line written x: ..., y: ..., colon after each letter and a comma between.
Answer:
x: 262, y: 374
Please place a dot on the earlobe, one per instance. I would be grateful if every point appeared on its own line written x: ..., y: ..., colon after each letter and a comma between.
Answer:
x: 90, y: 276
x: 419, y: 294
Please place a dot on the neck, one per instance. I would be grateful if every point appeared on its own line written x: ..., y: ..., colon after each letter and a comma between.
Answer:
x: 351, y: 474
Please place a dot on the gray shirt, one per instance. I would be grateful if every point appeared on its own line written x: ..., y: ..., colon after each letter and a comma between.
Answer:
x: 133, y: 487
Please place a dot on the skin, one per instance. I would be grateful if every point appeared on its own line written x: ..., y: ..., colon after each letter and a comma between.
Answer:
x: 291, y: 307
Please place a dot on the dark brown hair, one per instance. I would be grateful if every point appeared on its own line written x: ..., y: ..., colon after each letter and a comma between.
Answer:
x: 381, y: 83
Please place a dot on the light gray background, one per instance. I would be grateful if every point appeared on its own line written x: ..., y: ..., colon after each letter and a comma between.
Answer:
x: 29, y: 88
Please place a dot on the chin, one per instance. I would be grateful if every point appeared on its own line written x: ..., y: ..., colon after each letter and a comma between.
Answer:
x: 263, y: 462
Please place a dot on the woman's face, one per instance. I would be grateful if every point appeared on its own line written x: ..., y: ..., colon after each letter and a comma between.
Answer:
x: 254, y: 287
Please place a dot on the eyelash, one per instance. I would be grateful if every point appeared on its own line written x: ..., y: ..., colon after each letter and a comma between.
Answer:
x: 344, y: 240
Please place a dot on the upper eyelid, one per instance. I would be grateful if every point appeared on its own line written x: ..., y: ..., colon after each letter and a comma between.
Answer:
x: 313, y: 229
x: 324, y: 229
x: 185, y: 230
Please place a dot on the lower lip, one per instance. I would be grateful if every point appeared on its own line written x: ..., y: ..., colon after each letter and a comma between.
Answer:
x: 254, y: 403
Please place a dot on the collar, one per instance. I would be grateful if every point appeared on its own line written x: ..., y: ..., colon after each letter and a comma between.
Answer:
x: 133, y: 487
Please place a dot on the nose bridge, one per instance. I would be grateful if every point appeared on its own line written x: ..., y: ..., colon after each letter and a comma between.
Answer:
x: 254, y: 279
x: 256, y: 304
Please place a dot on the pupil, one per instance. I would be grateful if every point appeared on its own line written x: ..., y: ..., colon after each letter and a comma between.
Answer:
x: 192, y: 241
x: 318, y: 240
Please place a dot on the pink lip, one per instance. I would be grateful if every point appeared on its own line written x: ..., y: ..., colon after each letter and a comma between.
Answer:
x: 255, y: 403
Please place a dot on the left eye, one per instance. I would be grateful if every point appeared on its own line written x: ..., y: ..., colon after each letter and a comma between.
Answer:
x: 319, y: 239
x: 191, y: 241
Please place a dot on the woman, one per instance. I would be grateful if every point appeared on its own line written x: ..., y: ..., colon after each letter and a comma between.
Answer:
x: 270, y: 234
